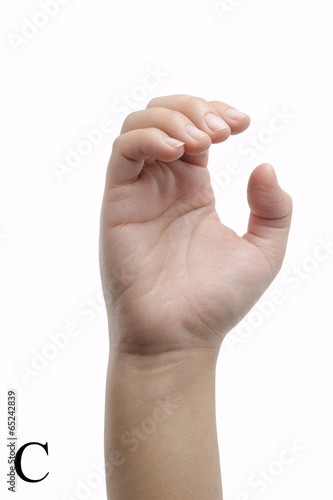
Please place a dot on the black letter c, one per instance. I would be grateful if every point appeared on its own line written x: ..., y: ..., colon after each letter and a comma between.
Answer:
x: 18, y: 459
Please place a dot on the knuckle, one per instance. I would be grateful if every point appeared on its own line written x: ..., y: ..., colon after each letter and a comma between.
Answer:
x: 196, y: 102
x: 152, y: 102
x: 128, y: 120
x: 117, y: 143
x: 169, y: 115
x: 214, y: 103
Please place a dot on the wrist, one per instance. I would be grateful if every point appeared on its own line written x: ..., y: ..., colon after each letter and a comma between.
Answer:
x: 162, y: 364
x: 161, y: 415
x: 173, y: 375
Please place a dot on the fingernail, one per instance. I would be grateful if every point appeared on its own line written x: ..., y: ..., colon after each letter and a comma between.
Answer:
x: 214, y: 122
x: 174, y: 143
x: 234, y: 114
x: 195, y: 133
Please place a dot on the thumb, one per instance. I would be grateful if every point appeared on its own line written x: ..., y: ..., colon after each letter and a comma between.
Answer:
x: 270, y: 218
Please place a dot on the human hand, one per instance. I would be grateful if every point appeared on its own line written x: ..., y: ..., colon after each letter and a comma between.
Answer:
x: 173, y: 275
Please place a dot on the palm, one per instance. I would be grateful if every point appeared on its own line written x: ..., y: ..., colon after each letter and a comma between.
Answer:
x: 174, y: 273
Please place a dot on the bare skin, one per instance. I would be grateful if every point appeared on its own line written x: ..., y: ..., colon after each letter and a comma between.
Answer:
x: 175, y: 281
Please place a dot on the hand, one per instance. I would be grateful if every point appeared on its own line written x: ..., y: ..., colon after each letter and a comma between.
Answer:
x: 174, y: 276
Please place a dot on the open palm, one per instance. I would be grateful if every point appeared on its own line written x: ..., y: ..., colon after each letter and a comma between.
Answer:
x: 174, y: 276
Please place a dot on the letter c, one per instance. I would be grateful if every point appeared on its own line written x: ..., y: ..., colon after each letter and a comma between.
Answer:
x: 18, y: 460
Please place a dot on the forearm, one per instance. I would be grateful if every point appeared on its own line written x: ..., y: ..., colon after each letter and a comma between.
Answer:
x: 160, y: 427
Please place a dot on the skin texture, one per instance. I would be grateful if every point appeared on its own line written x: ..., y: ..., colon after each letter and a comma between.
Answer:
x: 175, y: 281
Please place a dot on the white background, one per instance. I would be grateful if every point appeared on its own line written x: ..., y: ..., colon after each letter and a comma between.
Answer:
x: 261, y: 56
